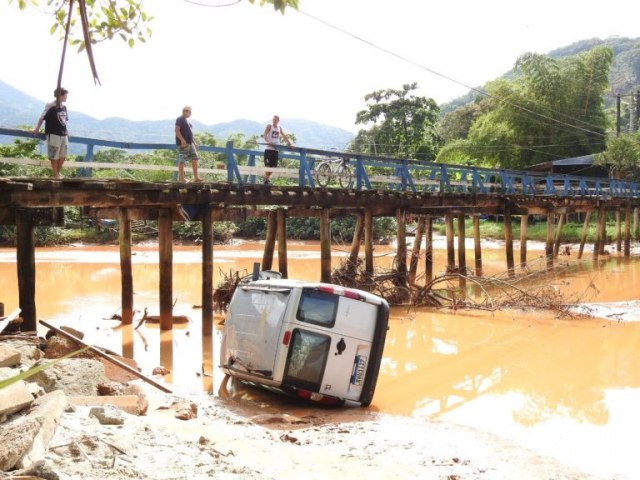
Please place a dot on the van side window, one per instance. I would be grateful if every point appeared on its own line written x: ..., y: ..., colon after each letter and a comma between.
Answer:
x: 308, y: 353
x: 318, y: 308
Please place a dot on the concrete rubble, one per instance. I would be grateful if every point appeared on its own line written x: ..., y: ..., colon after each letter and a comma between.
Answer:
x: 30, y: 408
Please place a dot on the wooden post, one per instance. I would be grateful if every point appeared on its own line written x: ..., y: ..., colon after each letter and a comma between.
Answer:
x: 618, y: 231
x: 428, y: 250
x: 451, y: 254
x: 627, y: 231
x: 636, y: 224
x: 165, y: 241
x: 270, y: 242
x: 598, y: 238
x: 603, y: 233
x: 585, y: 232
x: 401, y: 239
x: 524, y: 223
x: 26, y: 259
x: 462, y: 255
x: 549, y: 244
x: 126, y: 272
x: 282, y: 243
x: 357, y: 238
x: 207, y: 272
x: 556, y: 245
x: 415, y: 251
x: 325, y: 245
x: 508, y: 238
x: 477, y: 245
x: 368, y: 242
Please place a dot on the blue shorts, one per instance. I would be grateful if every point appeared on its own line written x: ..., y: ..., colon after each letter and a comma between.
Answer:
x: 189, y: 153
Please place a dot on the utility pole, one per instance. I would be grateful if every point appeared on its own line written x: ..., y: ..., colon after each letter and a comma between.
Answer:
x: 618, y: 115
x: 637, y: 110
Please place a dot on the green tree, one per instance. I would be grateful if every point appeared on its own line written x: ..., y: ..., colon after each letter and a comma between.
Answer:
x: 551, y: 109
x: 622, y: 156
x: 403, y: 124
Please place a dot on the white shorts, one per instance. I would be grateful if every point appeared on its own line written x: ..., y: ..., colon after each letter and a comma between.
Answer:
x: 57, y: 146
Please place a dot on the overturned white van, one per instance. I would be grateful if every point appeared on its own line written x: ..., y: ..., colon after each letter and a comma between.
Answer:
x: 315, y: 341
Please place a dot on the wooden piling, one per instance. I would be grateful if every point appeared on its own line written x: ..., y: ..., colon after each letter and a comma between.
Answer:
x: 165, y: 247
x: 556, y: 245
x: 368, y: 242
x: 415, y: 251
x: 325, y: 245
x: 508, y: 239
x: 618, y: 231
x: 598, y: 241
x: 524, y: 223
x: 636, y: 224
x: 428, y: 250
x: 549, y: 245
x: 126, y: 271
x: 627, y: 231
x: 282, y: 242
x: 401, y: 249
x: 603, y: 233
x: 477, y: 245
x: 357, y: 238
x: 270, y: 242
x: 451, y: 254
x: 26, y: 263
x: 207, y: 271
x: 585, y: 232
x: 462, y: 255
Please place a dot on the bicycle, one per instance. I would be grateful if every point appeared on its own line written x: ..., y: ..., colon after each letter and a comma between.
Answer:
x: 330, y: 168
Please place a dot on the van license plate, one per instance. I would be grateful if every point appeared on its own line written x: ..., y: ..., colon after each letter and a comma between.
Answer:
x: 359, y: 368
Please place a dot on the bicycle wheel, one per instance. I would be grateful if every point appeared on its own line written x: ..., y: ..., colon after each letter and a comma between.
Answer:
x: 345, y: 177
x: 323, y: 174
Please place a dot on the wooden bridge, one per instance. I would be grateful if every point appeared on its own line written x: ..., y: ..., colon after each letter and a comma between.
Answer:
x: 233, y: 190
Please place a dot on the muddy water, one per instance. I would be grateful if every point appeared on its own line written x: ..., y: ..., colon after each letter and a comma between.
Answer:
x: 569, y: 388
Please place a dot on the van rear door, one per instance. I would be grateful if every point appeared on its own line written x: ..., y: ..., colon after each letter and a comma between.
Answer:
x: 331, y: 345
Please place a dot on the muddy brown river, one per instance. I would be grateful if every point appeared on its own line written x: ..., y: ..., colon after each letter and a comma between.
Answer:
x: 565, y: 387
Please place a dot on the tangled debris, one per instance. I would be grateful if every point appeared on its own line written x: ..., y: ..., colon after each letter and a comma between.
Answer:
x: 227, y: 285
x: 527, y: 287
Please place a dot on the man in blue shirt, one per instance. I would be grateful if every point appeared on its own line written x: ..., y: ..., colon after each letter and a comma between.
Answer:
x: 187, y: 147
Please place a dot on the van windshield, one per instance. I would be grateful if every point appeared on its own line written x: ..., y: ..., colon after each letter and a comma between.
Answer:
x: 318, y: 308
x: 308, y: 353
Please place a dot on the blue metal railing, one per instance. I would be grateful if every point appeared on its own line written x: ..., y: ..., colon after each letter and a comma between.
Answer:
x: 373, y: 172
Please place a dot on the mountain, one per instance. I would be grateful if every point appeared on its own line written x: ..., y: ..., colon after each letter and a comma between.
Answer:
x: 624, y: 76
x: 19, y: 109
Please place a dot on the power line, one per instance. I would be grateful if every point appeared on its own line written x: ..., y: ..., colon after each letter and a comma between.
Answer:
x: 451, y: 79
x: 201, y: 4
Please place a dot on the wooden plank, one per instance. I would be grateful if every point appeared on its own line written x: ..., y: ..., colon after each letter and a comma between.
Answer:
x: 5, y: 321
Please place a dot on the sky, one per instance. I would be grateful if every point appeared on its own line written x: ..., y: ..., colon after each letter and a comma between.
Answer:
x: 243, y: 61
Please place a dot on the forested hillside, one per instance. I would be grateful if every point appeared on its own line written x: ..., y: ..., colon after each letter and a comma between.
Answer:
x: 624, y: 76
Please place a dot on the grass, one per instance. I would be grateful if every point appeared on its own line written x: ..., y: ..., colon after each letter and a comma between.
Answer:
x: 537, y: 231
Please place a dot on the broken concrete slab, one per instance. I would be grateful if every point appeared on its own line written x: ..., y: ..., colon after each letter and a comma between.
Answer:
x: 9, y: 357
x: 47, y: 411
x: 76, y: 376
x: 14, y: 398
x: 126, y: 403
x: 24, y: 439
